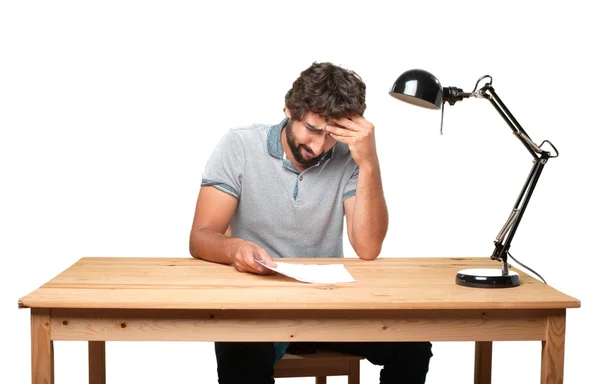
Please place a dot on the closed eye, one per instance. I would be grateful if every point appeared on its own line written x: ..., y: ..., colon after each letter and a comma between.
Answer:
x: 313, y: 130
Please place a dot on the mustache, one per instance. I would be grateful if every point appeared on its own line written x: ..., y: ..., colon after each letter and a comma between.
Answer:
x: 307, y: 148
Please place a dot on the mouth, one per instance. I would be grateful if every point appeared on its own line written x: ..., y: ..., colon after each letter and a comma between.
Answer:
x: 308, y: 154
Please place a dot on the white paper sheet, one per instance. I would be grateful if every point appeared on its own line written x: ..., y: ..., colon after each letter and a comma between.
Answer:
x: 313, y: 273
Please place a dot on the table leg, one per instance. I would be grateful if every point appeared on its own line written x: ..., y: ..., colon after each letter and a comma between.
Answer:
x: 553, y: 348
x: 483, y: 362
x: 42, y: 349
x: 354, y: 372
x: 97, y: 362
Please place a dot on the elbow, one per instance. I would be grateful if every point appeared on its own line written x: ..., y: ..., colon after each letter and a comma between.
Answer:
x: 194, y: 246
x: 193, y: 251
x: 367, y: 248
x: 369, y: 253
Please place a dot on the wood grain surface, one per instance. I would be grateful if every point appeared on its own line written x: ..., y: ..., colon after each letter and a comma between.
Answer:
x: 187, y: 283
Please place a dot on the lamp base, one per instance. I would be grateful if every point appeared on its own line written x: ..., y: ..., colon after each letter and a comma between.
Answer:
x: 487, y: 278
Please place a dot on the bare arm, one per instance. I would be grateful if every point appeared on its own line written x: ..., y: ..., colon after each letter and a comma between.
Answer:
x: 366, y: 213
x: 214, y: 210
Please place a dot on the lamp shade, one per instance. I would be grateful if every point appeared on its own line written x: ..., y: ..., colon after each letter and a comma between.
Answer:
x: 418, y: 87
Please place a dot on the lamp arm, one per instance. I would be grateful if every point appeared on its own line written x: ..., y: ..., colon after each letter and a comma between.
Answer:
x: 505, y: 236
x: 487, y: 91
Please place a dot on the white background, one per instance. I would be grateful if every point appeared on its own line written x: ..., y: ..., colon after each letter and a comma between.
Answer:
x: 109, y: 110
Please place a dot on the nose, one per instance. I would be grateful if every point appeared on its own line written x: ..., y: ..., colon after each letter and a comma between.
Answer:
x: 319, y: 143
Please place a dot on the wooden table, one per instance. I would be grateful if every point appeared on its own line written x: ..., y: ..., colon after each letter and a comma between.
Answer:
x: 393, y: 299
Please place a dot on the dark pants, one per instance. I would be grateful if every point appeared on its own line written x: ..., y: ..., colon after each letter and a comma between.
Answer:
x: 252, y: 363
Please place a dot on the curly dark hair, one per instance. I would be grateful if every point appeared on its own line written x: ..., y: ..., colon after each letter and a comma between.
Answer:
x: 327, y: 90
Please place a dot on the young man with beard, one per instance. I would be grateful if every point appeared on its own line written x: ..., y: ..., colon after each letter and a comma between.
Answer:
x: 284, y: 190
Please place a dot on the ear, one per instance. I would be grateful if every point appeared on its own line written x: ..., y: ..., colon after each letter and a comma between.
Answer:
x: 288, y: 114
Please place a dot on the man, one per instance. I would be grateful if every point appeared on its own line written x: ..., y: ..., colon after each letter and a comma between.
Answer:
x: 284, y: 191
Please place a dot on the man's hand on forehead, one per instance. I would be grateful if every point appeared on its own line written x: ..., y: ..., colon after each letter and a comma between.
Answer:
x: 358, y: 133
x: 348, y: 126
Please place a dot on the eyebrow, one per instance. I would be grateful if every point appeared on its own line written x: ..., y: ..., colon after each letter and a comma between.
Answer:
x: 310, y: 126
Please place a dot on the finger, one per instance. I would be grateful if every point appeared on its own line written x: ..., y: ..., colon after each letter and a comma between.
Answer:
x: 245, y: 261
x: 253, y: 264
x: 342, y: 139
x: 267, y: 259
x: 241, y: 263
x: 343, y: 132
x: 264, y: 257
x: 348, y: 124
x: 241, y: 266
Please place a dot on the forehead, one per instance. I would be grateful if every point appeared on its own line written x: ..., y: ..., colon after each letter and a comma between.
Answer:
x: 318, y: 121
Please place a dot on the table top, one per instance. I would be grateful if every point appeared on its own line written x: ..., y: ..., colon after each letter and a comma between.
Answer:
x: 188, y: 283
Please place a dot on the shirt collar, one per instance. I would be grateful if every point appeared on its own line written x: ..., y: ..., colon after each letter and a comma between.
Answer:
x: 274, y: 139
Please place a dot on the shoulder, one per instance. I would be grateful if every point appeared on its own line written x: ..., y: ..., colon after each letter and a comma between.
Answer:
x: 248, y: 135
x: 244, y: 137
x: 251, y: 131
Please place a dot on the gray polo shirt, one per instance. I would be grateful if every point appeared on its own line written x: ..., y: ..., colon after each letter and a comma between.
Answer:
x: 288, y: 213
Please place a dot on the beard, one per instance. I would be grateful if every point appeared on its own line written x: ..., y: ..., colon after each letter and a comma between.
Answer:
x: 295, y: 148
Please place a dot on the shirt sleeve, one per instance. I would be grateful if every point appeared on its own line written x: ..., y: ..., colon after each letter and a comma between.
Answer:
x: 350, y: 187
x: 225, y: 166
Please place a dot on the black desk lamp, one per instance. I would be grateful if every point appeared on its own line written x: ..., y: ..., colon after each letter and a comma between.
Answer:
x: 419, y: 87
